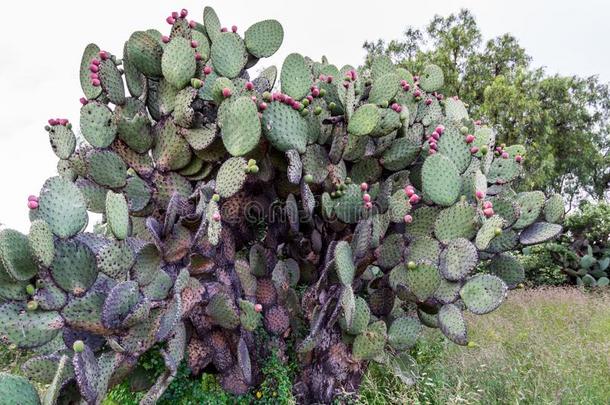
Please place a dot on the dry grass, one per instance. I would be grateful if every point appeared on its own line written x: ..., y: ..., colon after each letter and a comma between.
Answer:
x: 543, y: 346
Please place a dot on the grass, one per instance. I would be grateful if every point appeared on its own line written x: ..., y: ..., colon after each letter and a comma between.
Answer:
x: 543, y: 346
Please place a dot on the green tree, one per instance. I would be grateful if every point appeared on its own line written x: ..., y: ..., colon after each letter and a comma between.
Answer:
x: 564, y: 120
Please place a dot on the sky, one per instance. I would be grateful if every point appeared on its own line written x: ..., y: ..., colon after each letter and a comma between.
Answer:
x: 40, y: 54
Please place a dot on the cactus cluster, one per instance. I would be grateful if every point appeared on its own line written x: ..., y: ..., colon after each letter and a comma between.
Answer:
x: 336, y: 212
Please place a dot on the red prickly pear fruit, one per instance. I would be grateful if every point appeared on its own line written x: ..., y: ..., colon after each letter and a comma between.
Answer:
x: 175, y: 14
x: 403, y: 83
x: 52, y: 121
x: 249, y: 86
x: 198, y: 56
x: 94, y: 76
x: 296, y: 105
x: 253, y: 98
x: 170, y: 20
x: 262, y: 106
x: 436, y: 135
x: 428, y: 101
x: 414, y: 199
x: 488, y: 204
x: 32, y: 204
x: 63, y: 121
x: 207, y: 70
x: 431, y: 151
x: 94, y: 68
x: 78, y: 346
x: 480, y: 194
x: 408, y: 219
x: 288, y: 100
x: 364, y: 186
x: 322, y: 78
x: 469, y: 138
x: 406, y: 87
x: 474, y: 149
x: 95, y: 82
x: 417, y: 93
x: 165, y: 39
x: 440, y: 129
x: 95, y: 62
x: 518, y: 158
x: 226, y: 92
x: 32, y: 198
x: 368, y: 205
x: 216, y: 216
x: 329, y: 79
x: 309, y: 98
x: 258, y: 307
x: 504, y: 155
x: 103, y: 55
x: 366, y: 197
x: 184, y: 12
x: 224, y: 29
x: 194, y: 44
x: 234, y: 28
x: 409, y: 191
x: 192, y: 24
x: 315, y: 92
x: 489, y: 212
x: 477, y: 122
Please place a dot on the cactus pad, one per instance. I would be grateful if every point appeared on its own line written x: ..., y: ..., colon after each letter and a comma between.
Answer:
x: 28, y: 329
x: 74, y: 267
x: 554, y: 209
x: 539, y: 232
x: 423, y: 280
x: 15, y: 256
x: 458, y: 259
x: 364, y: 120
x: 403, y: 333
x: 264, y: 38
x: 508, y: 268
x: 63, y: 207
x: 284, y: 127
x: 344, y: 263
x: 452, y: 324
x: 178, y: 62
x: 295, y: 76
x: 17, y: 390
x: 241, y: 129
x: 228, y: 54
x: 455, y: 222
x: 483, y: 293
x: 441, y: 180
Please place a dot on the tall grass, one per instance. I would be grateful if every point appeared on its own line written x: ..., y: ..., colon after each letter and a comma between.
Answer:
x: 543, y: 346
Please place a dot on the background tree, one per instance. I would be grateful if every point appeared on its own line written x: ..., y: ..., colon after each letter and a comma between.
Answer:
x: 564, y: 120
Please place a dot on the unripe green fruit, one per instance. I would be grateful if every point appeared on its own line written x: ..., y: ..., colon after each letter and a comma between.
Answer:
x: 254, y: 169
x: 348, y: 180
x: 251, y: 162
x: 30, y: 289
x: 484, y: 149
x: 317, y: 110
x: 464, y: 130
x: 322, y: 92
x: 304, y: 112
x: 498, y: 231
x: 267, y: 96
x: 332, y: 106
x: 32, y: 305
x: 196, y: 83
x: 78, y: 346
x: 216, y: 198
x: 411, y: 265
x: 308, y: 178
x: 305, y: 102
x: 472, y: 345
x: 384, y: 104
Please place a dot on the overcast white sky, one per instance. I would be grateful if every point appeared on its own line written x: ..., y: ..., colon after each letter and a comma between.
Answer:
x: 41, y: 46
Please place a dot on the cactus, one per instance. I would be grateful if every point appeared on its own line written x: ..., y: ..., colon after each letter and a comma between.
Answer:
x: 352, y: 204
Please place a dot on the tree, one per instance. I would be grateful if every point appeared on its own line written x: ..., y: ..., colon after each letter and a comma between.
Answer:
x: 564, y: 119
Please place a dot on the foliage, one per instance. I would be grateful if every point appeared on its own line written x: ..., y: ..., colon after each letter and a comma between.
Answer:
x: 565, y: 120
x: 323, y: 225
x: 541, y: 268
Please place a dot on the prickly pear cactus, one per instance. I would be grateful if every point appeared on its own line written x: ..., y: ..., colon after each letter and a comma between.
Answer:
x: 353, y: 204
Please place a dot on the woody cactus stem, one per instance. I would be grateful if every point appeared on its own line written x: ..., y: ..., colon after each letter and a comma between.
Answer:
x: 355, y: 204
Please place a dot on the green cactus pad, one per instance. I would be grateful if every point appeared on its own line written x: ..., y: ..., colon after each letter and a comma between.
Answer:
x: 91, y: 52
x: 295, y: 76
x: 349, y: 207
x: 284, y: 127
x: 488, y: 231
x: 241, y: 127
x: 106, y: 168
x: 458, y: 221
x: 231, y: 177
x: 399, y: 206
x: 364, y: 120
x: 94, y: 195
x: 360, y: 319
x: 452, y: 145
x: 87, y: 373
x: 539, y: 232
x: 507, y: 208
x: 42, y: 369
x: 63, y: 207
x: 381, y: 66
x: 86, y: 312
x: 531, y: 204
x: 178, y: 62
x: 63, y: 141
x: 228, y: 54
x: 41, y: 242
x: 203, y: 45
x: 117, y: 214
x: 427, y: 318
x: 483, y: 136
x: 17, y: 390
x: 554, y: 209
x: 458, y: 259
x: 249, y: 318
x: 138, y: 193
x: 145, y: 52
x: 315, y: 163
x: 134, y: 79
x: 214, y: 227
x: 171, y: 151
x: 121, y: 300
x: 431, y: 79
x: 403, y: 333
x: 49, y: 296
x: 508, y: 240
x: 184, y: 113
x: 451, y: 322
x: 455, y: 110
x: 223, y: 312
x: 503, y: 171
x: 211, y: 23
x: 483, y: 293
x: 115, y: 259
x: 448, y: 291
x: 424, y: 248
x: 264, y: 38
x: 344, y: 263
x: 369, y: 344
x: 423, y: 280
x: 159, y: 287
x: 384, y: 88
x: 423, y: 222
x: 112, y: 82
x: 508, y: 268
x: 401, y: 153
x: 74, y: 267
x: 28, y: 329
x: 15, y: 256
x: 441, y: 180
